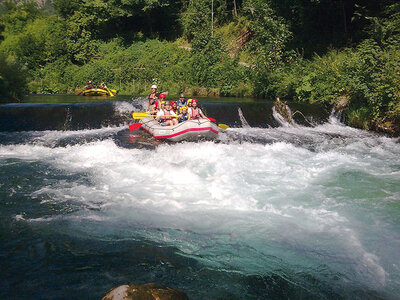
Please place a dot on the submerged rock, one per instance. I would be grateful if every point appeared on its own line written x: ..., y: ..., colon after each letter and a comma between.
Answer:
x: 342, y: 102
x: 148, y: 291
x: 282, y: 109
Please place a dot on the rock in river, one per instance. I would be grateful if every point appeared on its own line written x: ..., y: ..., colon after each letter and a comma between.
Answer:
x: 148, y: 291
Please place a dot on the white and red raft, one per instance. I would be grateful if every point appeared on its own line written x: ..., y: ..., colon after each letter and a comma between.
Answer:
x: 192, y: 130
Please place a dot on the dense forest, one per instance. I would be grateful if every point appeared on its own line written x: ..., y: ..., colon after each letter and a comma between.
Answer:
x: 298, y: 50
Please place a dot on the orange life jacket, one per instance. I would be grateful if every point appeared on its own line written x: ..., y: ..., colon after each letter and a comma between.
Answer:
x: 194, y: 113
x: 166, y: 113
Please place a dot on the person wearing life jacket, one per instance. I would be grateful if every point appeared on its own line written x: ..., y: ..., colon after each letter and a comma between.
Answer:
x: 102, y: 85
x: 88, y: 85
x: 189, y: 103
x: 161, y: 101
x: 153, y: 96
x: 184, y: 116
x: 154, y: 107
x: 163, y: 116
x: 181, y: 102
x: 175, y: 107
x: 195, y: 112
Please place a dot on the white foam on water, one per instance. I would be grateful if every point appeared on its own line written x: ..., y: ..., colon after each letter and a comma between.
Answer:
x: 123, y: 107
x: 251, y: 193
x: 52, y: 136
x: 281, y: 120
x: 245, y: 124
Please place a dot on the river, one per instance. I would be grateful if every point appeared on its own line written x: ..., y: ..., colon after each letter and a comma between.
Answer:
x: 269, y: 210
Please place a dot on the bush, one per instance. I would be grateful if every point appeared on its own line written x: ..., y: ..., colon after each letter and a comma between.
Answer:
x: 12, y: 80
x: 359, y: 117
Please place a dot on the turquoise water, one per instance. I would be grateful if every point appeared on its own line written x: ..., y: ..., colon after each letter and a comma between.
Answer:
x: 265, y: 211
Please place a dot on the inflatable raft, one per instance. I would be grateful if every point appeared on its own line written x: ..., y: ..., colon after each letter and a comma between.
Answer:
x: 98, y: 92
x: 192, y: 130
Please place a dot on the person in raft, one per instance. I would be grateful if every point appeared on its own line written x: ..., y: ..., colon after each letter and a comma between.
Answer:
x: 195, y: 112
x: 181, y: 102
x: 162, y: 105
x: 184, y: 116
x: 152, y: 97
x: 189, y: 103
x: 154, y: 107
x: 162, y: 116
x: 88, y: 85
x: 175, y: 107
x: 161, y: 101
x: 102, y: 85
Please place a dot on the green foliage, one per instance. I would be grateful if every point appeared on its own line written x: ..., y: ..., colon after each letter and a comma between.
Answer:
x: 15, y: 17
x: 196, y: 19
x: 132, y: 69
x: 267, y: 38
x: 392, y: 23
x: 368, y: 75
x: 12, y: 79
x: 359, y: 117
x: 42, y: 41
x: 66, y: 8
x: 1, y: 31
x: 106, y: 19
x: 268, y: 34
x: 212, y: 67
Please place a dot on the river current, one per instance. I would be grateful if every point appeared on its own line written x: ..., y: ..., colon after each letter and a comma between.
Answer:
x: 269, y: 210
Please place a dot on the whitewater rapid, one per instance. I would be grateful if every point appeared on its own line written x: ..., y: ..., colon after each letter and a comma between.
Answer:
x: 294, y: 201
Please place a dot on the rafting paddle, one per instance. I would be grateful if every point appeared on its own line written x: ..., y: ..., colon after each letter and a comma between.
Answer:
x: 108, y: 90
x: 222, y: 126
x: 142, y: 115
x: 135, y: 126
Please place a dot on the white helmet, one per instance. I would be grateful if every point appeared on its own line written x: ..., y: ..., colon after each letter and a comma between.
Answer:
x: 153, y: 86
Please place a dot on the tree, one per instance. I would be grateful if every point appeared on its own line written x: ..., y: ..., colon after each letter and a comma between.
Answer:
x: 66, y: 8
x: 12, y: 79
x: 16, y: 16
x: 197, y: 16
x: 268, y: 36
x: 123, y: 18
x: 1, y: 31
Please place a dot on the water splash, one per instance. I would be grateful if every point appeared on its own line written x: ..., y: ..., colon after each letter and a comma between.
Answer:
x: 242, y: 119
x: 281, y: 120
x: 319, y: 201
x: 336, y: 117
x: 68, y: 118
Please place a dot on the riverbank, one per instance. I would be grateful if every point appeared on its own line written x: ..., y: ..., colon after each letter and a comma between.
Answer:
x: 45, y: 52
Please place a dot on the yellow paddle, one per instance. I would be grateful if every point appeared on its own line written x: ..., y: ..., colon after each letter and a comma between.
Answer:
x: 223, y: 126
x: 142, y: 115
x: 111, y: 93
